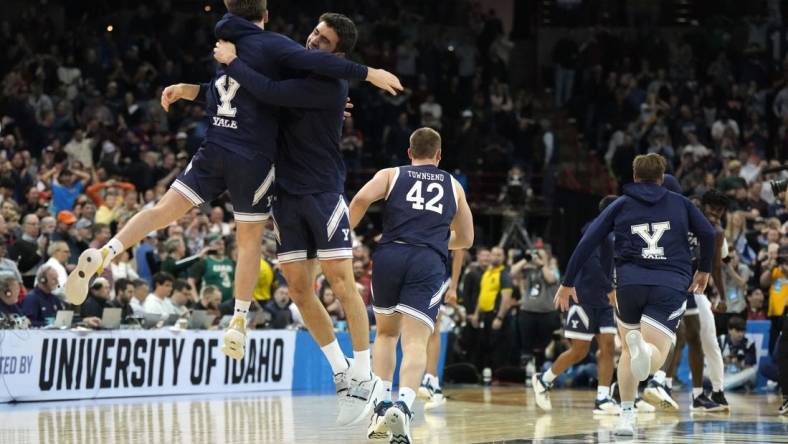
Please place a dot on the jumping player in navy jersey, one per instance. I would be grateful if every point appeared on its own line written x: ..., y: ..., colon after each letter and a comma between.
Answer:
x: 425, y: 215
x: 237, y: 154
x: 653, y: 270
x: 592, y: 317
x: 310, y: 213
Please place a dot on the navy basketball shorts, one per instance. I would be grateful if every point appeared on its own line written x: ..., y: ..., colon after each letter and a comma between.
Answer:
x: 656, y: 306
x: 312, y: 226
x: 584, y: 321
x: 214, y: 170
x: 409, y: 280
x: 692, y: 306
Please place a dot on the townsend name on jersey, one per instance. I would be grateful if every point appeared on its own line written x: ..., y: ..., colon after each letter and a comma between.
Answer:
x: 421, y: 175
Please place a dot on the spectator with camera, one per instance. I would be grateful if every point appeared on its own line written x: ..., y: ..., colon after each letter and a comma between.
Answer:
x: 775, y: 278
x: 41, y: 303
x: 537, y: 277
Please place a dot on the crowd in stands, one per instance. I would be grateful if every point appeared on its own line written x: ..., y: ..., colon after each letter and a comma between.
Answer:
x: 85, y: 144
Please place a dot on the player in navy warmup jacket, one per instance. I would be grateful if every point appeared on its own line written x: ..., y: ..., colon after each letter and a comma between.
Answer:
x: 310, y: 211
x: 591, y: 317
x: 237, y: 154
x: 425, y: 215
x: 653, y: 271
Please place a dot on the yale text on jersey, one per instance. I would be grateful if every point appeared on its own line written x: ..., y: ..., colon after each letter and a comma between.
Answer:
x: 225, y: 123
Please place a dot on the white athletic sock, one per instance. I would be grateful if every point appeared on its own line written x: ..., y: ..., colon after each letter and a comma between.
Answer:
x: 669, y: 382
x: 407, y: 396
x: 360, y: 369
x: 627, y: 406
x: 242, y: 307
x: 432, y: 381
x: 602, y: 392
x: 659, y: 377
x: 115, y: 247
x: 387, y: 390
x: 696, y: 391
x: 549, y: 376
x: 335, y: 357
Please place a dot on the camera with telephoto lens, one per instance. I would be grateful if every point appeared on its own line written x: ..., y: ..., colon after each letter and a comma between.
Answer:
x: 778, y: 186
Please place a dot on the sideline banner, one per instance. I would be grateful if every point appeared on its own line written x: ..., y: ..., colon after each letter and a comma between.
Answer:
x: 51, y: 365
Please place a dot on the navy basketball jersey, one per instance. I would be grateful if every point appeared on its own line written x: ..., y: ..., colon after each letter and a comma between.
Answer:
x: 419, y: 208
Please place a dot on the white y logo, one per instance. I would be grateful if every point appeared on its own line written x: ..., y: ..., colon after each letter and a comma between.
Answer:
x: 227, y: 88
x: 346, y: 231
x: 574, y: 324
x: 653, y: 251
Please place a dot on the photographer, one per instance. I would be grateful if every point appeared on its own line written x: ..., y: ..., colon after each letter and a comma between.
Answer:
x: 538, y: 317
x: 775, y: 278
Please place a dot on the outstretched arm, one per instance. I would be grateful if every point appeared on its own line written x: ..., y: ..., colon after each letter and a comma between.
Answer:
x: 294, y: 56
x: 373, y: 191
x: 297, y: 93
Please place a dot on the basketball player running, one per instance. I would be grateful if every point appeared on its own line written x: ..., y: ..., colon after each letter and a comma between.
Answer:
x: 425, y: 215
x: 237, y: 155
x: 592, y: 317
x: 698, y: 328
x: 310, y: 213
x: 653, y: 268
x: 430, y: 389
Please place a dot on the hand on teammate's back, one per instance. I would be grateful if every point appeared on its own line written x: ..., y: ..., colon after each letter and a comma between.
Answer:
x: 224, y: 52
x: 384, y: 80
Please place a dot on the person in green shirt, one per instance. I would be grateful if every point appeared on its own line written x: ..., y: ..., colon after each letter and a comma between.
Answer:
x: 175, y: 261
x: 215, y: 268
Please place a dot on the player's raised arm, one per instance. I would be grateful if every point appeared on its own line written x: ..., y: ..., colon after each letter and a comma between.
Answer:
x: 374, y: 190
x: 294, y: 56
x: 462, y: 225
x: 297, y: 93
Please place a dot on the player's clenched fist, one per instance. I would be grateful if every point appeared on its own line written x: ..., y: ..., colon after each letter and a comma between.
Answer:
x: 224, y: 52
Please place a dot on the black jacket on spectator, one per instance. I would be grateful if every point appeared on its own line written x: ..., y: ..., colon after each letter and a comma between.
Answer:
x: 471, y: 283
x: 281, y: 317
x: 94, y: 306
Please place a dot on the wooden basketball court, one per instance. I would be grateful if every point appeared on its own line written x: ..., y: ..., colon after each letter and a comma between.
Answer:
x: 472, y: 415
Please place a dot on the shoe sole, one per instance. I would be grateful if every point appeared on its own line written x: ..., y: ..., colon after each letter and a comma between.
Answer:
x: 378, y: 431
x: 78, y: 281
x: 374, y: 398
x: 652, y: 397
x: 705, y: 410
x: 639, y: 360
x: 397, y: 423
x: 548, y: 406
x: 429, y: 405
x: 234, y: 344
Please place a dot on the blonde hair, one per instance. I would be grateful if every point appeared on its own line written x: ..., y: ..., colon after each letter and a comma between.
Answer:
x: 649, y: 167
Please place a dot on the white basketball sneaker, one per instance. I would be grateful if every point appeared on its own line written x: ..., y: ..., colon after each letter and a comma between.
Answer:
x: 234, y: 340
x: 626, y: 424
x: 360, y: 399
x: 91, y: 263
x: 398, y: 419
